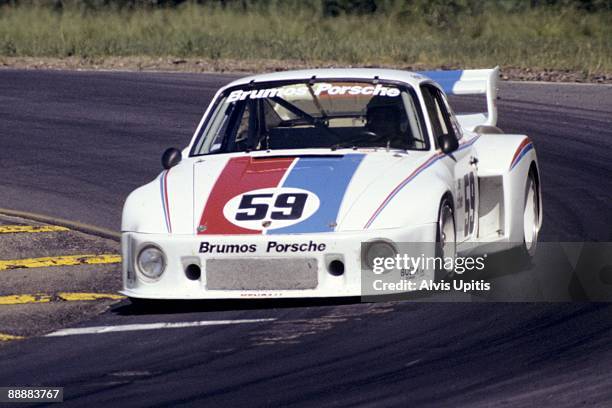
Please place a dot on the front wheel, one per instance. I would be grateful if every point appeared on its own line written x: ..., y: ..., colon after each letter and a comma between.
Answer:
x: 446, y: 239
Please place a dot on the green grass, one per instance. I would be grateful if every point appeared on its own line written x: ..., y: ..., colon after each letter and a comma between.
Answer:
x: 540, y: 38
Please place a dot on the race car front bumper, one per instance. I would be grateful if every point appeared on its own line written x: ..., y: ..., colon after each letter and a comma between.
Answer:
x: 257, y: 266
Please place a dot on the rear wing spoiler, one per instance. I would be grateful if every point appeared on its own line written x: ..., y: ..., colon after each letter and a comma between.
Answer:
x: 470, y: 82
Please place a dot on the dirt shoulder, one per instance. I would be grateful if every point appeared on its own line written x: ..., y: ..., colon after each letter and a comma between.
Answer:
x: 225, y: 65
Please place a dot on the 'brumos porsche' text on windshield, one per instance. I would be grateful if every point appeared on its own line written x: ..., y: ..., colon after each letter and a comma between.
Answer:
x: 317, y: 90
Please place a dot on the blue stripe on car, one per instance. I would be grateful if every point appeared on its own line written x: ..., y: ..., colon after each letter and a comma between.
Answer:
x: 521, y: 155
x: 446, y: 79
x: 328, y: 178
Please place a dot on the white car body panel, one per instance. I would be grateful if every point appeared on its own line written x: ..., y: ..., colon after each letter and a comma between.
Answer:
x: 390, y: 195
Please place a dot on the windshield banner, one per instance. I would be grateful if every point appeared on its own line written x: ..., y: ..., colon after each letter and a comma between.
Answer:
x: 317, y: 89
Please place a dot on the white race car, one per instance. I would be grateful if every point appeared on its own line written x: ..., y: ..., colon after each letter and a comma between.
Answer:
x: 295, y: 181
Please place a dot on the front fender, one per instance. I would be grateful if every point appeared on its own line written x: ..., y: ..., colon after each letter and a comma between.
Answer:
x: 401, y: 202
x: 143, y: 210
x: 164, y: 205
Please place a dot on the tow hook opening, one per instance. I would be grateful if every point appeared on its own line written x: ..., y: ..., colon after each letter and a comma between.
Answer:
x: 193, y: 272
x: 336, y: 267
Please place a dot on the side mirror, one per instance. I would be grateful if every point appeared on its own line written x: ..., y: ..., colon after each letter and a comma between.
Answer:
x: 171, y: 158
x: 448, y: 143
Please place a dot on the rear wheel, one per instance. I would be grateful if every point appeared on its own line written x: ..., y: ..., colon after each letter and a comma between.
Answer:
x: 531, y: 216
x: 446, y: 239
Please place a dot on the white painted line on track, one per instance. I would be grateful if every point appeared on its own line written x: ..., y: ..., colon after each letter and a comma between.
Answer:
x: 150, y: 326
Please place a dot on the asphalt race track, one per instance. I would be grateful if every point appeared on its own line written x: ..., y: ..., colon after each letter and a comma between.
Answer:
x: 74, y: 144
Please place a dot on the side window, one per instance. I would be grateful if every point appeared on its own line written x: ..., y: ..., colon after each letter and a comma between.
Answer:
x: 453, y: 119
x: 438, y: 112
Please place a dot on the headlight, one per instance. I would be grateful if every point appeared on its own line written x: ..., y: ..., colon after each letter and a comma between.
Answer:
x: 377, y: 249
x: 151, y: 262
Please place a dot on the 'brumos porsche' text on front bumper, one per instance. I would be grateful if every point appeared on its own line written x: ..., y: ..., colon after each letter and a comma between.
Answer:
x: 170, y: 266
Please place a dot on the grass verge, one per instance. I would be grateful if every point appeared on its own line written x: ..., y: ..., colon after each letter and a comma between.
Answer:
x: 537, y: 39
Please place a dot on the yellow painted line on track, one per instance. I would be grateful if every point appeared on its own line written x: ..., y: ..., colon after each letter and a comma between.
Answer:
x: 17, y: 229
x: 71, y: 297
x: 61, y: 296
x: 9, y: 337
x: 66, y: 260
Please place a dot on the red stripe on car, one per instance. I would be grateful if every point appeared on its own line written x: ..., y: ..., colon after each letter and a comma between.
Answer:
x: 240, y: 175
x: 167, y: 203
x: 524, y: 143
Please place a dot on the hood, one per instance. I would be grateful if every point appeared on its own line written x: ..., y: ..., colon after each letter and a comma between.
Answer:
x: 265, y: 193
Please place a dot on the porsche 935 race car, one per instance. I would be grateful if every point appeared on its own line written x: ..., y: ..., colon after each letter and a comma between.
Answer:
x: 295, y: 181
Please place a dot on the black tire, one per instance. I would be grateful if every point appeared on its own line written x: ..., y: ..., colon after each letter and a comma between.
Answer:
x: 531, y: 217
x: 445, y: 226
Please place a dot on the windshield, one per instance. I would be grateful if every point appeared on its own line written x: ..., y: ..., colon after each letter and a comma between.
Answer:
x: 303, y: 115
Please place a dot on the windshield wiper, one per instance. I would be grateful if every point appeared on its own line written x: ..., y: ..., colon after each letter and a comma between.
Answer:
x: 316, y: 101
x: 353, y: 144
x: 343, y: 145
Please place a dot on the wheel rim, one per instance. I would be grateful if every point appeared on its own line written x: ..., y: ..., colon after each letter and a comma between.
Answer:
x: 530, y: 217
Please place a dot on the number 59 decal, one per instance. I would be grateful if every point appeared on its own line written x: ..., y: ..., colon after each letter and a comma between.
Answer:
x: 271, y: 208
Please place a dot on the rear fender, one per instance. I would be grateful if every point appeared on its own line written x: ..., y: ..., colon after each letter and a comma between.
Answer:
x: 504, y: 165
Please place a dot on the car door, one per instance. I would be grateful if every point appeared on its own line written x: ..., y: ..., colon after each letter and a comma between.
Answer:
x: 462, y: 162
